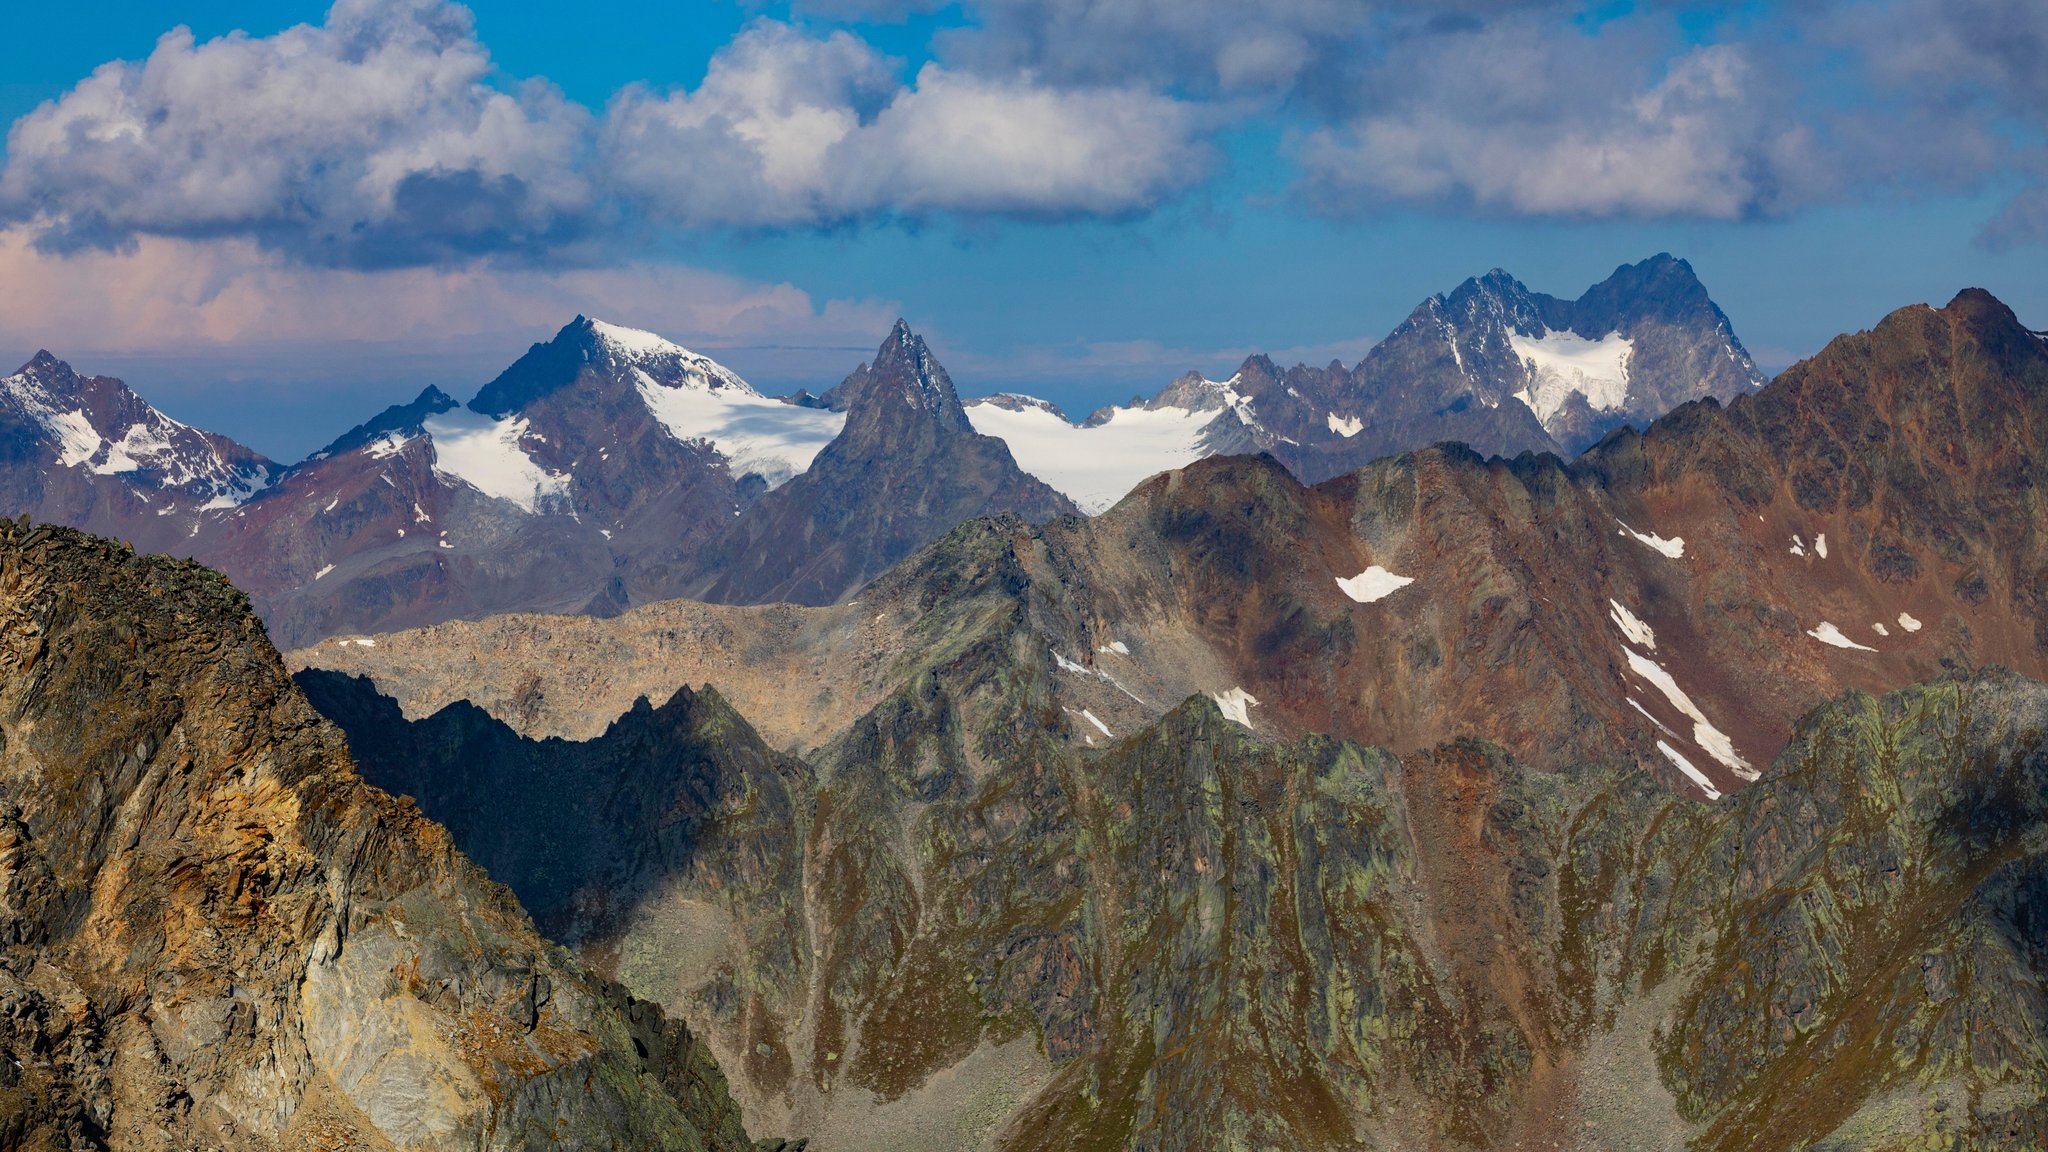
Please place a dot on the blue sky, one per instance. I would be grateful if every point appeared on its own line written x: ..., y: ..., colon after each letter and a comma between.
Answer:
x: 276, y: 233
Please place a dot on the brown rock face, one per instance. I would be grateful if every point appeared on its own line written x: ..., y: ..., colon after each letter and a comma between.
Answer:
x: 218, y: 936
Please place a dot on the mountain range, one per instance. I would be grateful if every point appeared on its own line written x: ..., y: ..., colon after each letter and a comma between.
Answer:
x: 1648, y: 799
x: 609, y: 467
x: 1689, y: 792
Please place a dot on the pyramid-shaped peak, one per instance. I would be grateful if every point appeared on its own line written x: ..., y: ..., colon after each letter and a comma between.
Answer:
x: 43, y: 363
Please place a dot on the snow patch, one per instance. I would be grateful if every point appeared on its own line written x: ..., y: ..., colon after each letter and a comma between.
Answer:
x: 1685, y: 766
x: 323, y: 571
x: 1116, y: 646
x: 1374, y: 583
x: 77, y: 441
x: 485, y: 454
x: 1908, y: 623
x: 1236, y: 704
x: 1798, y: 546
x: 1710, y: 739
x: 756, y: 435
x: 386, y: 446
x: 1674, y: 547
x: 1346, y: 426
x: 1562, y: 364
x: 331, y: 504
x: 1829, y: 634
x: 1631, y: 627
x: 1096, y: 466
x: 1881, y: 630
x: 1820, y: 545
x: 633, y: 341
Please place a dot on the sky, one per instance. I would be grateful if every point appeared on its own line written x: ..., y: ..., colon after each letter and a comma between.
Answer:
x: 274, y: 219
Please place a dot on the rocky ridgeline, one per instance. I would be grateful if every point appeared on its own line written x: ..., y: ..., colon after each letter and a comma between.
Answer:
x: 218, y: 936
x: 1206, y: 938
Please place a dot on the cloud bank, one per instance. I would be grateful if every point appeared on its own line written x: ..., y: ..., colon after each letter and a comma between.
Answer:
x: 384, y: 137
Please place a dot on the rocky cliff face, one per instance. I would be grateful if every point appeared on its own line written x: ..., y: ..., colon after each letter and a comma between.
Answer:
x: 219, y: 936
x: 907, y: 468
x: 1203, y: 938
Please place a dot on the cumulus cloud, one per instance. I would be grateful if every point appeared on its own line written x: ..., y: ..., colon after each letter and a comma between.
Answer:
x: 384, y: 137
x: 793, y: 129
x: 373, y: 138
x: 1515, y: 118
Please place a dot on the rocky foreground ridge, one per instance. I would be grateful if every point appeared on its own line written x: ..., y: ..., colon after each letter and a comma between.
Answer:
x: 1201, y: 938
x: 214, y: 934
x: 1362, y: 815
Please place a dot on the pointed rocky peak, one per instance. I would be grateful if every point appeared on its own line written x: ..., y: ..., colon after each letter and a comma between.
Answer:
x: 543, y: 370
x: 606, y: 357
x: 403, y: 420
x: 904, y: 384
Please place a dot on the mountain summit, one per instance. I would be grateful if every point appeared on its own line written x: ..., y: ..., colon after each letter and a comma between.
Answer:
x: 1491, y: 364
x: 907, y: 468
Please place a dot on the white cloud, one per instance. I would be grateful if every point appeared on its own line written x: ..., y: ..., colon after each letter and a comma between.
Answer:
x: 790, y: 129
x: 1561, y: 125
x: 374, y: 138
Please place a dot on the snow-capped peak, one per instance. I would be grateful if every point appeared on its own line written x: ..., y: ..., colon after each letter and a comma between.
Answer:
x: 634, y: 341
x: 101, y: 426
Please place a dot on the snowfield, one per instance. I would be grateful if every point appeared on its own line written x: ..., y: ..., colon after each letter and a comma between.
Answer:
x: 1685, y: 766
x: 1829, y: 634
x: 483, y: 453
x: 1563, y: 363
x: 768, y: 438
x: 1375, y: 583
x: 1710, y: 739
x: 1095, y: 467
x: 1236, y: 704
x: 1674, y: 547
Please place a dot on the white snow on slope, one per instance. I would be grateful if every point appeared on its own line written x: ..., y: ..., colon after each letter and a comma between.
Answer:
x: 1711, y: 740
x: 1236, y: 704
x: 1674, y: 547
x: 1374, y: 583
x: 151, y: 443
x: 1095, y: 467
x: 386, y: 446
x: 1685, y: 766
x: 485, y: 454
x: 1100, y: 726
x: 633, y: 341
x: 1346, y: 426
x: 77, y: 441
x: 1631, y: 627
x: 755, y: 434
x: 1881, y: 630
x: 1908, y: 623
x: 1820, y: 545
x: 1829, y: 634
x: 1116, y: 646
x: 1563, y: 363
